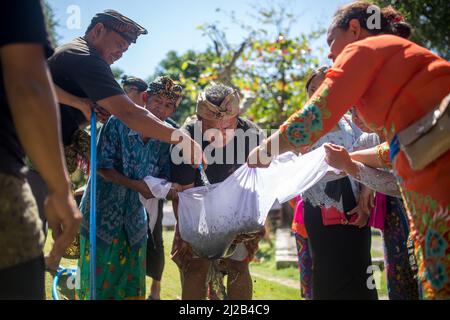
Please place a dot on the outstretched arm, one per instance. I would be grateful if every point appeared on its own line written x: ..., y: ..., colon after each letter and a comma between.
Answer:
x: 143, y: 121
x: 328, y: 104
x: 376, y: 157
x: 378, y: 180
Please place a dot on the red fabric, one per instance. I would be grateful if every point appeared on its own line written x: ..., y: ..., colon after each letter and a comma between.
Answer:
x: 378, y: 214
x: 298, y: 224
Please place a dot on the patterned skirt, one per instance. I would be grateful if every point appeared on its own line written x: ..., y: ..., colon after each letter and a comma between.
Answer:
x: 426, y: 194
x: 120, y: 270
x: 401, y: 278
x: 305, y: 267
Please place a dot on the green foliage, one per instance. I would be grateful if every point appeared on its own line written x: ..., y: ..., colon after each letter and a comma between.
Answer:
x: 268, y: 67
x: 50, y: 23
x: 185, y: 69
x: 430, y: 20
x: 275, y: 71
x: 117, y: 72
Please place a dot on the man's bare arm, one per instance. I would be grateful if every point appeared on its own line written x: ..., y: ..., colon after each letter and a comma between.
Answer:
x: 114, y: 176
x: 35, y: 114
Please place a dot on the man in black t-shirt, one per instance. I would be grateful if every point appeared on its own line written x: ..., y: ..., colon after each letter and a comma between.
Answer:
x: 82, y: 68
x: 28, y: 122
x: 228, y: 139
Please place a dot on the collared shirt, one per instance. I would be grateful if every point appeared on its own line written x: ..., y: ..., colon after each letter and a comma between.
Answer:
x: 118, y: 207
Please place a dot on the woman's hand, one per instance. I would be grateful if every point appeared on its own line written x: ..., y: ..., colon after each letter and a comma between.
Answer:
x: 337, y: 156
x: 361, y: 218
x: 364, y: 207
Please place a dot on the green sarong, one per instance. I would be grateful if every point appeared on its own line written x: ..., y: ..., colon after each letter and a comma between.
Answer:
x: 120, y: 270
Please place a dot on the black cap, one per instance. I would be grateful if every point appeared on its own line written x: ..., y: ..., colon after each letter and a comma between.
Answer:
x: 124, y: 26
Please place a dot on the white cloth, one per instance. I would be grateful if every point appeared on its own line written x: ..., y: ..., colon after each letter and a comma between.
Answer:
x: 210, y: 220
x: 159, y: 188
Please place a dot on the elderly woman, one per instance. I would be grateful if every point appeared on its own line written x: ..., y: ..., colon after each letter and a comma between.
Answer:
x: 393, y: 83
x: 217, y: 111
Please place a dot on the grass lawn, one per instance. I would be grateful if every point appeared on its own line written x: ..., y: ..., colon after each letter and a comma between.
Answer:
x: 269, y: 283
x: 171, y: 288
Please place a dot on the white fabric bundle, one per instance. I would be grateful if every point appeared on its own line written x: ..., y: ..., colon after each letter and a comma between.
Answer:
x: 159, y: 188
x: 210, y: 220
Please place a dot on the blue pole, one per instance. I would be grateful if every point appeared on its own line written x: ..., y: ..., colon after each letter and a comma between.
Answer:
x: 92, y: 217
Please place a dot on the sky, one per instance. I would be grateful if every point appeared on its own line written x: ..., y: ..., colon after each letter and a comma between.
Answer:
x: 173, y: 24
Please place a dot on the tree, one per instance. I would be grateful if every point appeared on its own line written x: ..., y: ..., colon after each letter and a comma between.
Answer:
x: 268, y: 66
x: 50, y: 23
x: 430, y: 21
x: 185, y: 69
x: 118, y: 73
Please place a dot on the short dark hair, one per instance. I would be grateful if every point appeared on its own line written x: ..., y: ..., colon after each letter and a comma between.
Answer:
x: 133, y: 83
x: 91, y: 26
x: 319, y: 71
x: 392, y: 21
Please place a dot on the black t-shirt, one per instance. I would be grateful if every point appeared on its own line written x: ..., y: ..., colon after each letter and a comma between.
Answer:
x: 217, y: 172
x: 21, y: 22
x: 80, y: 70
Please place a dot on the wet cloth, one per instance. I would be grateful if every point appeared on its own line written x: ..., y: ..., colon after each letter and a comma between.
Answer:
x: 159, y: 188
x: 209, y: 220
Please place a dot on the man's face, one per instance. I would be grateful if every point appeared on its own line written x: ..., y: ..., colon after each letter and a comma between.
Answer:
x: 161, y: 106
x: 109, y: 44
x: 225, y: 128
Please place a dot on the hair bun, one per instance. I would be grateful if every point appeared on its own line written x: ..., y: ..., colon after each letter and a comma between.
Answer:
x: 402, y: 29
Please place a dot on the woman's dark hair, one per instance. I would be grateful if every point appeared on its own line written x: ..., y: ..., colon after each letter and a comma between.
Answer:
x: 392, y: 21
x: 319, y: 71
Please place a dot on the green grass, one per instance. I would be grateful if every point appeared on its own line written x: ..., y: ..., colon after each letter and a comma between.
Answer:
x: 262, y: 288
x: 267, y: 265
x: 171, y: 288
